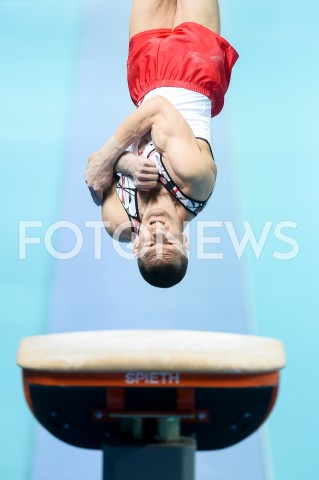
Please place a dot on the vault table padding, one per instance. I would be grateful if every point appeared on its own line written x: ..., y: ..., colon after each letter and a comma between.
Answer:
x: 149, y: 350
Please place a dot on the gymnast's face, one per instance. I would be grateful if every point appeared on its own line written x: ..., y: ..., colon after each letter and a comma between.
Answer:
x: 160, y: 238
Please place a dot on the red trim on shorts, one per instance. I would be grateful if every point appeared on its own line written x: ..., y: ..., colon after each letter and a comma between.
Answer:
x: 164, y: 30
x: 146, y: 32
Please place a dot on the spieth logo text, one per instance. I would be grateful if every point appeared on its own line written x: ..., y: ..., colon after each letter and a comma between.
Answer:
x: 152, y: 378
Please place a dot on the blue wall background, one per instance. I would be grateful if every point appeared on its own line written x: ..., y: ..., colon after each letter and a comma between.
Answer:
x: 63, y: 89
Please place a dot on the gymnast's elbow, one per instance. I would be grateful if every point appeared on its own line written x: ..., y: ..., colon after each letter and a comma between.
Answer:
x: 158, y: 105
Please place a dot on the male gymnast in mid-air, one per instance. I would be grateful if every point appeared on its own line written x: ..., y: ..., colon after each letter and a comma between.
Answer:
x: 157, y: 171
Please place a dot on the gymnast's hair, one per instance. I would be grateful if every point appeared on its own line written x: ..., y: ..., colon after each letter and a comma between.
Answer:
x: 164, y: 274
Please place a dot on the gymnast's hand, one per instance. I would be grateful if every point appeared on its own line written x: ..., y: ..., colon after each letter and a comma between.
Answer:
x: 98, y: 176
x: 142, y: 170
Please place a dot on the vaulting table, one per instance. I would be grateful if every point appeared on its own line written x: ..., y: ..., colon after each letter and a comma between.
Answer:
x: 150, y: 398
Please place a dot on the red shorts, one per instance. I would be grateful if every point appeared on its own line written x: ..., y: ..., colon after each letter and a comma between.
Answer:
x: 190, y: 56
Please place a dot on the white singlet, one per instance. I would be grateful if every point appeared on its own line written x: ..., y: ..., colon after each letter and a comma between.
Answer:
x: 193, y: 106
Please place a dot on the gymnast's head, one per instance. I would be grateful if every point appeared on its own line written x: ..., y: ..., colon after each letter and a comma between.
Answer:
x: 161, y: 250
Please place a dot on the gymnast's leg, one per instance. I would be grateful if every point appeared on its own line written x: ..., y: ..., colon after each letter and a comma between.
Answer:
x: 151, y: 14
x: 204, y: 12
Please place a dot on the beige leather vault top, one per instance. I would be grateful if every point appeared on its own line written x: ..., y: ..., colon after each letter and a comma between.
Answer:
x: 149, y: 350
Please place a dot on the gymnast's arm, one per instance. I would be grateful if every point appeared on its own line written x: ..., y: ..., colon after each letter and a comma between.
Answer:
x: 99, y: 172
x: 142, y: 170
x: 190, y: 161
x: 171, y: 135
x: 115, y: 219
x: 145, y: 175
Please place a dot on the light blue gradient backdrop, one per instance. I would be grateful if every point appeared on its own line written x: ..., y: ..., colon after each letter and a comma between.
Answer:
x: 60, y: 77
x: 275, y: 112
